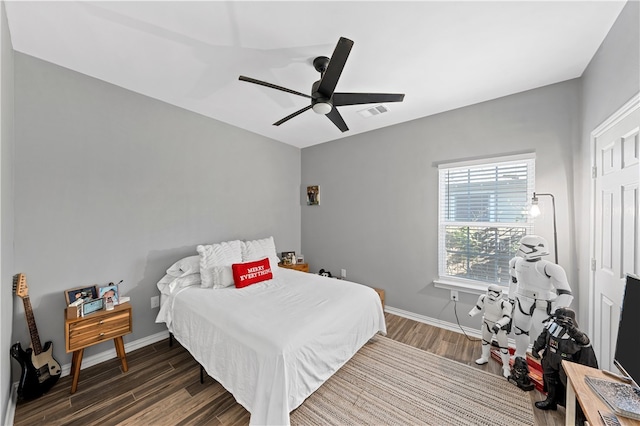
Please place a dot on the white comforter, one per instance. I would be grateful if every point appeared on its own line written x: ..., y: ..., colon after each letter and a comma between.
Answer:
x: 274, y: 343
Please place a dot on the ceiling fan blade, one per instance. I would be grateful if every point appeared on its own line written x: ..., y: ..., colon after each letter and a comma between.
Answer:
x: 340, y: 99
x: 334, y: 69
x: 289, y: 117
x: 273, y: 86
x: 335, y: 116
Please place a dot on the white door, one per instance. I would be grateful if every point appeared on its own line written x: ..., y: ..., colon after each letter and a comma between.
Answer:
x: 616, y: 226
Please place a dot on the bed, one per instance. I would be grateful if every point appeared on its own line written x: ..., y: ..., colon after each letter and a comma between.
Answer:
x: 273, y: 343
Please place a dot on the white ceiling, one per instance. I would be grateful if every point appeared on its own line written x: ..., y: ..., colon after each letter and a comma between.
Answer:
x: 441, y: 54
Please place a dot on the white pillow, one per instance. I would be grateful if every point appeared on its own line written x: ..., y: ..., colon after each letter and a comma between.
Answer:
x: 259, y: 249
x: 186, y: 266
x: 216, y: 261
x: 170, y: 284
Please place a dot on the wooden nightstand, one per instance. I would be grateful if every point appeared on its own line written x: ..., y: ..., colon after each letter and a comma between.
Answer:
x: 381, y: 294
x: 96, y: 328
x: 304, y: 267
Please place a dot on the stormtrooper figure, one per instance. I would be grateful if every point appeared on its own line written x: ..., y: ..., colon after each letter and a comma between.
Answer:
x: 496, y: 319
x: 538, y: 287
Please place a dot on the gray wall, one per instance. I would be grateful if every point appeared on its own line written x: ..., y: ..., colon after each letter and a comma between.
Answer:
x: 378, y: 212
x: 111, y: 185
x: 378, y: 216
x: 6, y: 209
x: 611, y: 79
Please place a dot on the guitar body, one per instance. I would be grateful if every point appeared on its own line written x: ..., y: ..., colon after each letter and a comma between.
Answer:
x: 39, y: 372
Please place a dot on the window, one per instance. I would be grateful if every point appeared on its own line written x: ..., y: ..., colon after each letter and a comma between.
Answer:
x: 483, y: 216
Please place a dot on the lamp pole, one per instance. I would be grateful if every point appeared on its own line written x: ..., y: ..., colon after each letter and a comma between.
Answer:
x: 555, y: 230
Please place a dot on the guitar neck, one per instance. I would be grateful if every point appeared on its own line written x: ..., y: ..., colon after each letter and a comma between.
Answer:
x: 31, y: 322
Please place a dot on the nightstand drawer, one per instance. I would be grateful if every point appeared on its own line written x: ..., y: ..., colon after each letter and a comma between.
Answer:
x: 92, y: 337
x: 98, y: 327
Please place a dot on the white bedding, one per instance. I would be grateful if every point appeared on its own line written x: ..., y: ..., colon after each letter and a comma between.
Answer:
x: 272, y: 344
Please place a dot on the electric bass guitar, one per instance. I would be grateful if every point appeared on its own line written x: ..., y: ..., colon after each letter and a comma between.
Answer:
x: 40, y: 371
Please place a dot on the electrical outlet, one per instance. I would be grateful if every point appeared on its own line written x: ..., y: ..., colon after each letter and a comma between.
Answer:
x: 343, y: 273
x: 454, y: 295
x: 155, y: 302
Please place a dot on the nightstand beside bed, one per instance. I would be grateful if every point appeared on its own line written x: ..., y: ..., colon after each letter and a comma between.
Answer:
x: 95, y: 328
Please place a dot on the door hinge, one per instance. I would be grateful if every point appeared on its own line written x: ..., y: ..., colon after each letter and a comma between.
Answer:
x: 593, y: 265
x: 594, y: 172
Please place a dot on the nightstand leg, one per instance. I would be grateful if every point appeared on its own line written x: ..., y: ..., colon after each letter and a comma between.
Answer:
x: 121, y: 354
x: 76, y: 362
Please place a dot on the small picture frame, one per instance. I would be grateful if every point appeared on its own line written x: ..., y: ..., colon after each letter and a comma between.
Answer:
x: 84, y: 293
x: 110, y: 291
x: 288, y: 257
x: 300, y: 258
x: 92, y: 306
x: 313, y: 195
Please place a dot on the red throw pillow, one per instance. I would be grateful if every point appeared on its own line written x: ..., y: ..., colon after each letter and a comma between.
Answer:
x: 245, y: 274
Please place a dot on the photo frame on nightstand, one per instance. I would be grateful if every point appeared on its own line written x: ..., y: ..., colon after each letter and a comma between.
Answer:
x: 288, y: 257
x: 92, y: 306
x: 110, y: 291
x: 84, y: 293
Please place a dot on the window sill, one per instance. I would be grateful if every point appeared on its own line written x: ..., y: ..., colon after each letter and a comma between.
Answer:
x: 465, y: 286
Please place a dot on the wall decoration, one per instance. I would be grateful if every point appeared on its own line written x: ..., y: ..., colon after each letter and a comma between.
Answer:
x: 313, y: 195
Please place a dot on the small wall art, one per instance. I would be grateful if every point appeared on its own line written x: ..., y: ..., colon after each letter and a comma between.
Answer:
x: 313, y: 195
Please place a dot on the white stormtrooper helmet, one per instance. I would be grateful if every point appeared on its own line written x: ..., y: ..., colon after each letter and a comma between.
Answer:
x: 532, y: 247
x: 494, y: 292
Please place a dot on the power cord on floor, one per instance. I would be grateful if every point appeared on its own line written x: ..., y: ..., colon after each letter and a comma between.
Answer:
x: 455, y: 311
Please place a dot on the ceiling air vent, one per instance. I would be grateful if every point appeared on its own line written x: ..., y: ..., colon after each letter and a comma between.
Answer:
x: 376, y: 110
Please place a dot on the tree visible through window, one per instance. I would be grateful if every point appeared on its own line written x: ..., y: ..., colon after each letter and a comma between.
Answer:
x: 483, y: 216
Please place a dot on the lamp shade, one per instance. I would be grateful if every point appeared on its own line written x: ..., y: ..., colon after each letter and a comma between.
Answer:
x: 534, y: 210
x: 322, y: 108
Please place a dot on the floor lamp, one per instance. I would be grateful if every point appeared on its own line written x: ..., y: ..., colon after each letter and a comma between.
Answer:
x: 535, y: 212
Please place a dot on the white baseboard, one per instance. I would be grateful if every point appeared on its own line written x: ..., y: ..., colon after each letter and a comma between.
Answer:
x: 471, y: 332
x: 434, y: 322
x: 11, y: 405
x: 86, y: 362
x: 111, y: 353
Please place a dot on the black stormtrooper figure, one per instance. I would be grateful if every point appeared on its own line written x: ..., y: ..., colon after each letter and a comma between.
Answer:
x: 561, y: 340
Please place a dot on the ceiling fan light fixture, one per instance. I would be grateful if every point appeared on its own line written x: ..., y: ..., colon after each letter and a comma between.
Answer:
x: 324, y: 99
x: 322, y: 108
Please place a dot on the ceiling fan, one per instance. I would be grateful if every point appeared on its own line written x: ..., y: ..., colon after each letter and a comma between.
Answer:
x: 323, y: 98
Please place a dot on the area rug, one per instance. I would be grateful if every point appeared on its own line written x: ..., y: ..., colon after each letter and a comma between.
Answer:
x: 391, y: 383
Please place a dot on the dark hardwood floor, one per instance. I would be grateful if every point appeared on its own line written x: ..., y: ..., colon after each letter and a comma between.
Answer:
x: 162, y: 386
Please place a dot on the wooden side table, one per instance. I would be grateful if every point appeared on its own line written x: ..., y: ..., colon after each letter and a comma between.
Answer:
x: 304, y: 267
x: 381, y: 294
x: 96, y: 328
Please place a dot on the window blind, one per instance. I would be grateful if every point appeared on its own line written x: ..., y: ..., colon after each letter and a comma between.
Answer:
x: 483, y: 216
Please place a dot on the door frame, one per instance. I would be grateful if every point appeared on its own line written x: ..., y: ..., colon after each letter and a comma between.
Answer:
x: 628, y: 108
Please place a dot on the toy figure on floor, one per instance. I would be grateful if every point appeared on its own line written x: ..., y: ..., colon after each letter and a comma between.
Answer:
x: 325, y: 273
x: 520, y: 374
x: 496, y: 320
x: 537, y: 288
x: 561, y: 340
